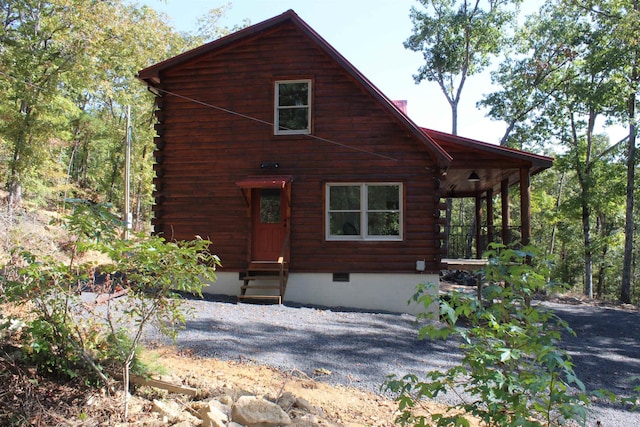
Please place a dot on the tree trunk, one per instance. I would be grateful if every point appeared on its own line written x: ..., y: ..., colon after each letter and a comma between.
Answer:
x: 584, y: 177
x: 588, y: 259
x: 625, y: 289
x: 115, y: 171
x: 448, y: 215
x: 603, y: 230
x: 447, y: 227
x: 69, y: 170
x: 14, y: 184
x: 454, y: 118
x: 564, y: 267
x: 15, y: 194
x: 555, y: 225
x: 469, y: 243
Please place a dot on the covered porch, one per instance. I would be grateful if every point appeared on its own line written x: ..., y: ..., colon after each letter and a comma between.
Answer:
x: 482, y: 172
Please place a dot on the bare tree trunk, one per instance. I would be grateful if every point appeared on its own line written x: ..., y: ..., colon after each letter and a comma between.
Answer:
x: 115, y: 172
x: 448, y: 215
x: 602, y: 231
x: 588, y: 256
x: 469, y: 243
x: 555, y: 226
x: 625, y: 288
x: 69, y: 167
x: 14, y: 184
x: 584, y: 178
x: 15, y: 194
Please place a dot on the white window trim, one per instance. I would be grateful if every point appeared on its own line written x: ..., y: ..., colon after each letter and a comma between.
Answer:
x: 277, y: 108
x: 363, y: 210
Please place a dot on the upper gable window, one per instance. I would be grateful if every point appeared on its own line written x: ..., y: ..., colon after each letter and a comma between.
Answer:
x: 292, y: 107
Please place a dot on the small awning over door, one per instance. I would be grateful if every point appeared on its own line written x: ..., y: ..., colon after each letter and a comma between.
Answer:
x: 278, y: 181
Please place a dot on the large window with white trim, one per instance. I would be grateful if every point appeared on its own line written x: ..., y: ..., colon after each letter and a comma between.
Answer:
x: 364, y: 211
x: 292, y: 107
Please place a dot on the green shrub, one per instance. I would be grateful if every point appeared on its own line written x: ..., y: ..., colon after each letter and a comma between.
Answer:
x: 50, y: 290
x: 62, y: 335
x: 512, y: 372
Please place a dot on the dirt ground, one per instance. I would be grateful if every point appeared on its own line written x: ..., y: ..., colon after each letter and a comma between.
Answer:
x: 347, y: 406
x: 27, y: 398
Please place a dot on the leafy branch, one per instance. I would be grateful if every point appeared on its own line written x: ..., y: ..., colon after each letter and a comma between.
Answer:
x: 512, y: 372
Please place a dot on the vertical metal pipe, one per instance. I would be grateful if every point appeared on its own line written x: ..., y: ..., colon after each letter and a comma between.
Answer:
x: 127, y: 176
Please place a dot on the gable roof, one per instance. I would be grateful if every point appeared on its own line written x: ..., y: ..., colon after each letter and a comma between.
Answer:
x: 447, y: 149
x: 152, y: 75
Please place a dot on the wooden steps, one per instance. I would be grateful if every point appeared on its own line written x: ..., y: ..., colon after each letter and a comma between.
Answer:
x: 269, y: 275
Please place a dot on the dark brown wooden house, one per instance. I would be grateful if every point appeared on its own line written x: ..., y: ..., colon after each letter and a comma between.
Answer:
x: 304, y: 175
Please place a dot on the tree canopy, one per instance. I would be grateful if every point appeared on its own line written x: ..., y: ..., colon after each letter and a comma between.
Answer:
x: 67, y: 73
x: 564, y: 73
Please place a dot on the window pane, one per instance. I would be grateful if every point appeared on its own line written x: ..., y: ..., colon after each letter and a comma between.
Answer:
x: 293, y: 119
x: 383, y: 197
x: 344, y: 223
x: 383, y: 223
x: 344, y: 197
x: 293, y: 94
x: 270, y: 206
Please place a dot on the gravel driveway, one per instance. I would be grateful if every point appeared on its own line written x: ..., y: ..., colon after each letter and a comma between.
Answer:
x: 360, y: 348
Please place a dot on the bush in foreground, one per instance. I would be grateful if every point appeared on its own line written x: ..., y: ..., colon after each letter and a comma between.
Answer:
x: 64, y: 336
x: 512, y: 372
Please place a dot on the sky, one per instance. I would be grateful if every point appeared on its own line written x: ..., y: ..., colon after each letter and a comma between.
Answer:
x: 370, y: 35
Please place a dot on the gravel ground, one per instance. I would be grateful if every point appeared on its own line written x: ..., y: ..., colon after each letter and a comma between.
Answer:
x: 360, y: 349
x: 606, y: 354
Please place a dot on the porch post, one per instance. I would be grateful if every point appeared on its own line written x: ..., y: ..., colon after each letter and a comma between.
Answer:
x: 506, y: 214
x: 489, y: 216
x: 525, y: 206
x: 478, y: 226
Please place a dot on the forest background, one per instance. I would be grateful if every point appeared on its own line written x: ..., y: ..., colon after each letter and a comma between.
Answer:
x: 67, y: 75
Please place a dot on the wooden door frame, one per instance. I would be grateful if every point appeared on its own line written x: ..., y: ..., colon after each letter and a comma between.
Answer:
x: 283, y: 182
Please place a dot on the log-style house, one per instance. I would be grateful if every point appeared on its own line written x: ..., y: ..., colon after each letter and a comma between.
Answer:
x: 306, y: 177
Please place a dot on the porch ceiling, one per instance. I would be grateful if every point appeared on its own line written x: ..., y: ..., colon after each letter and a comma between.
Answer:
x: 456, y: 181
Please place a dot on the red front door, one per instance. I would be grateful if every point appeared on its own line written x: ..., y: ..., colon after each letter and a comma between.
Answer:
x: 269, y: 223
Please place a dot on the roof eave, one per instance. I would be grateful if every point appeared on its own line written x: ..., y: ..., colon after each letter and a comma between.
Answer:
x: 538, y: 162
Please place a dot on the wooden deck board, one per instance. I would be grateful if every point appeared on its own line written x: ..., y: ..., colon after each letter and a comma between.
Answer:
x: 464, y: 264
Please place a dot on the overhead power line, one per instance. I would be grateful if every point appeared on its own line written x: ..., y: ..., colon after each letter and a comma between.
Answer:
x: 235, y: 113
x: 265, y: 122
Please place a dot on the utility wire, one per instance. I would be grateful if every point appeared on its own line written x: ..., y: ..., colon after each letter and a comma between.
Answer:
x: 235, y: 113
x: 255, y: 119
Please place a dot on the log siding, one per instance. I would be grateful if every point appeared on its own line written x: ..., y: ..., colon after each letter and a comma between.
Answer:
x: 203, y: 151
